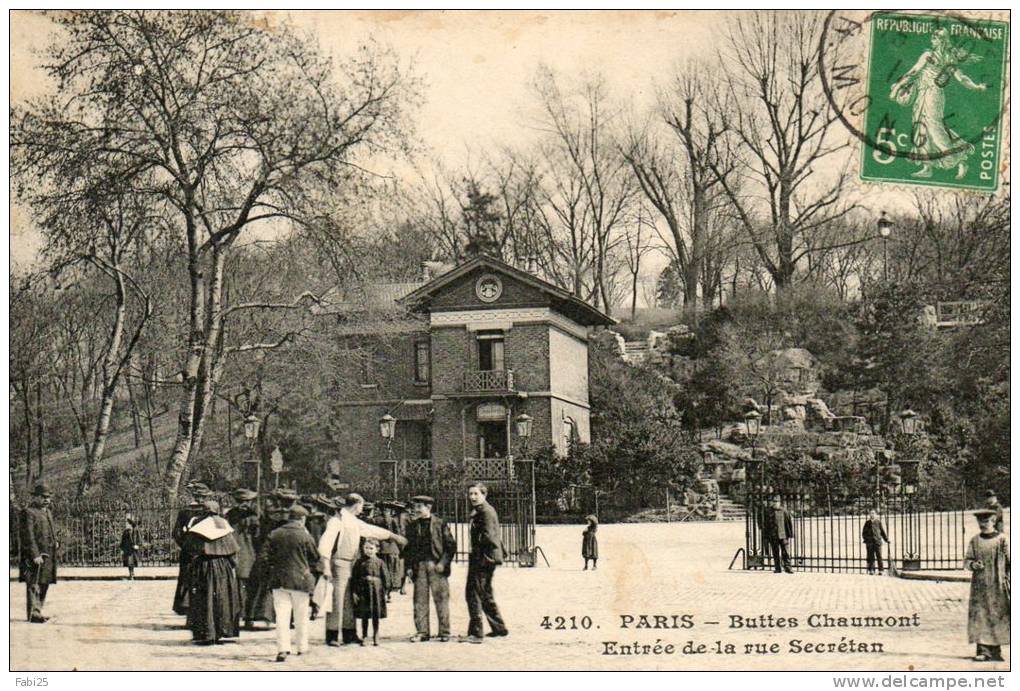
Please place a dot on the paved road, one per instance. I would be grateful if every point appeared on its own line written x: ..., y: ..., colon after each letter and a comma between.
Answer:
x: 650, y: 569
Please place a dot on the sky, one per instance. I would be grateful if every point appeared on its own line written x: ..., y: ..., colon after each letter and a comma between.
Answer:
x: 477, y: 67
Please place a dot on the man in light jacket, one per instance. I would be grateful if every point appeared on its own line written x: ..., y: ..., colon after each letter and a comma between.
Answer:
x: 338, y: 548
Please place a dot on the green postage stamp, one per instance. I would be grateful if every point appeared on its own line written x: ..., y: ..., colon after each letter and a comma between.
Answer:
x: 935, y: 112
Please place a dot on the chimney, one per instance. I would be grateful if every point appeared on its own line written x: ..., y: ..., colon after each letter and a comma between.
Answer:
x: 426, y: 272
x: 532, y: 264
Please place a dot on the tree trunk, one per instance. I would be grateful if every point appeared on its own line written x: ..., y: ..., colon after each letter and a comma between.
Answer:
x: 39, y: 426
x: 27, y: 407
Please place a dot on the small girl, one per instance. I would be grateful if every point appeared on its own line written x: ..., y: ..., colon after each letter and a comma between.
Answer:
x: 590, y: 543
x: 129, y: 546
x: 369, y: 584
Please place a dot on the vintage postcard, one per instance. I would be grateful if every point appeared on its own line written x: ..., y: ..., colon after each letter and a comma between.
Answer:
x: 510, y: 340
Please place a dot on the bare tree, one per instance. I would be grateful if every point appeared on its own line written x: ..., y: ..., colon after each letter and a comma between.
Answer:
x: 782, y: 124
x: 637, y: 245
x: 239, y: 124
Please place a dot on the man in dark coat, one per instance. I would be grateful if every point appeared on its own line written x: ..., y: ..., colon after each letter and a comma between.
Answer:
x: 292, y: 557
x: 777, y: 529
x: 38, y: 568
x: 199, y: 493
x: 992, y: 504
x: 430, y: 551
x: 244, y: 519
x: 486, y: 555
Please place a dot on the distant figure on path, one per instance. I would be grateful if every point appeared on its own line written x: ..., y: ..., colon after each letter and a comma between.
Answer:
x: 214, y: 600
x: 777, y: 529
x: 129, y: 546
x: 590, y: 543
x: 486, y: 555
x: 38, y: 568
x: 988, y: 615
x: 874, y: 535
x: 293, y: 560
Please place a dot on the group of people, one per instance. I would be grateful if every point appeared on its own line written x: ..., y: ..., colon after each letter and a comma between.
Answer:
x: 317, y: 555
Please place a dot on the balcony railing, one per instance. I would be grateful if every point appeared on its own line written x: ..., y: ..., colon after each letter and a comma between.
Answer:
x: 489, y: 468
x: 489, y: 380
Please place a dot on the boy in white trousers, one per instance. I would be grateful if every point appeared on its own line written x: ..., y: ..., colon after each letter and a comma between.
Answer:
x: 293, y: 559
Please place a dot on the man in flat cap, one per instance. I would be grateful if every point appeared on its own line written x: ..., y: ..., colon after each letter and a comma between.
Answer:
x: 244, y: 519
x: 293, y: 560
x: 199, y: 492
x: 338, y: 548
x: 430, y: 551
x: 38, y: 567
x: 992, y: 503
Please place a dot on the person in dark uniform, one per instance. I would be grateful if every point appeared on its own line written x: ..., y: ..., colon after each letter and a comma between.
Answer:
x: 129, y: 546
x: 244, y: 519
x: 389, y: 551
x: 486, y: 555
x: 431, y: 549
x: 214, y: 599
x: 319, y: 510
x: 873, y: 533
x: 38, y: 567
x: 199, y: 492
x: 590, y: 543
x: 777, y: 530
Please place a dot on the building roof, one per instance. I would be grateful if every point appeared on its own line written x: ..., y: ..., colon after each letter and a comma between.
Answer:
x: 562, y: 301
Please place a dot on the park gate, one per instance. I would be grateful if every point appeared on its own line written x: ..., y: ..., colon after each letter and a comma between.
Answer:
x: 925, y: 528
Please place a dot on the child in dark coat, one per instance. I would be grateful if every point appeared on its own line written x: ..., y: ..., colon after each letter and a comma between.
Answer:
x: 369, y: 584
x: 590, y: 543
x: 129, y: 547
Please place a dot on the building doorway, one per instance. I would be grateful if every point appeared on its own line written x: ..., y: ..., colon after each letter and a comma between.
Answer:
x: 492, y: 439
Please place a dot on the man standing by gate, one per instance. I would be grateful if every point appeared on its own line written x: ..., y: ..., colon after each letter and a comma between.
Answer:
x: 430, y: 551
x: 778, y: 531
x: 38, y: 552
x: 486, y: 555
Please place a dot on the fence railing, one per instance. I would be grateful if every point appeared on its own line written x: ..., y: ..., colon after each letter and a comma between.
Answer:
x: 489, y: 380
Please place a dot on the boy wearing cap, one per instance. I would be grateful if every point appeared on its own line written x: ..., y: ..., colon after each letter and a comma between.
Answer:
x: 292, y: 557
x: 988, y: 618
x: 992, y: 503
x: 38, y: 568
x: 430, y: 551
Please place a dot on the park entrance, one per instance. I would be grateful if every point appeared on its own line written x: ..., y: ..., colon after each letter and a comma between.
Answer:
x: 925, y: 528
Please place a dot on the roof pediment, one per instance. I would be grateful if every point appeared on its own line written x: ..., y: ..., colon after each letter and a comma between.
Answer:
x: 458, y: 289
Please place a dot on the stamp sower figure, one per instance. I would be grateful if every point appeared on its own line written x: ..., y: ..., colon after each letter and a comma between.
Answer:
x: 590, y: 543
x: 293, y: 560
x: 244, y: 519
x: 129, y: 546
x: 486, y: 555
x: 431, y: 549
x: 988, y: 615
x: 992, y: 502
x: 199, y: 492
x: 369, y: 586
x: 38, y: 568
x: 777, y: 530
x: 214, y: 606
x: 923, y: 87
x: 873, y: 534
x: 338, y: 548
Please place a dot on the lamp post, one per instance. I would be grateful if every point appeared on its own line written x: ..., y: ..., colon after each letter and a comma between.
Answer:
x: 885, y: 230
x: 523, y: 424
x: 908, y: 480
x: 387, y: 428
x: 752, y: 424
x: 251, y: 433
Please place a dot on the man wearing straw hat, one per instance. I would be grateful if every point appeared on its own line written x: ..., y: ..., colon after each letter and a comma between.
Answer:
x: 38, y: 552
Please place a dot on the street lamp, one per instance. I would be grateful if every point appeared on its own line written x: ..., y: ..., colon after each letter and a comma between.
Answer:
x: 909, y: 479
x: 908, y: 421
x: 885, y: 230
x: 387, y: 428
x: 251, y: 433
x: 752, y: 425
x: 523, y: 424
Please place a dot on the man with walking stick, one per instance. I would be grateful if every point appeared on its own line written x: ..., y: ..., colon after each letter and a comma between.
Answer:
x: 38, y: 552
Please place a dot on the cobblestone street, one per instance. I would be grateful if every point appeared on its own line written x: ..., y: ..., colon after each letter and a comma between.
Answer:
x: 649, y: 569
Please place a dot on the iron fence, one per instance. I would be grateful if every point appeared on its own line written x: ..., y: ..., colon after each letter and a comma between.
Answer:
x: 925, y: 530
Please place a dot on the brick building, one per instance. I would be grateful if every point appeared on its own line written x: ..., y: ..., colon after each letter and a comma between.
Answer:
x: 468, y: 352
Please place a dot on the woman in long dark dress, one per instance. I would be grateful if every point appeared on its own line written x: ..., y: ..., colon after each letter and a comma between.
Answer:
x: 129, y: 547
x: 590, y: 543
x: 214, y: 609
x: 370, y: 585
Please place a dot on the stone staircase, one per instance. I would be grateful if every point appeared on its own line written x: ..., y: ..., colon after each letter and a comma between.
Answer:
x: 635, y: 352
x: 731, y: 510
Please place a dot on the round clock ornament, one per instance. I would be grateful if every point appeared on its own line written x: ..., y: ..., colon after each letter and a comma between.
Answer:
x: 488, y: 288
